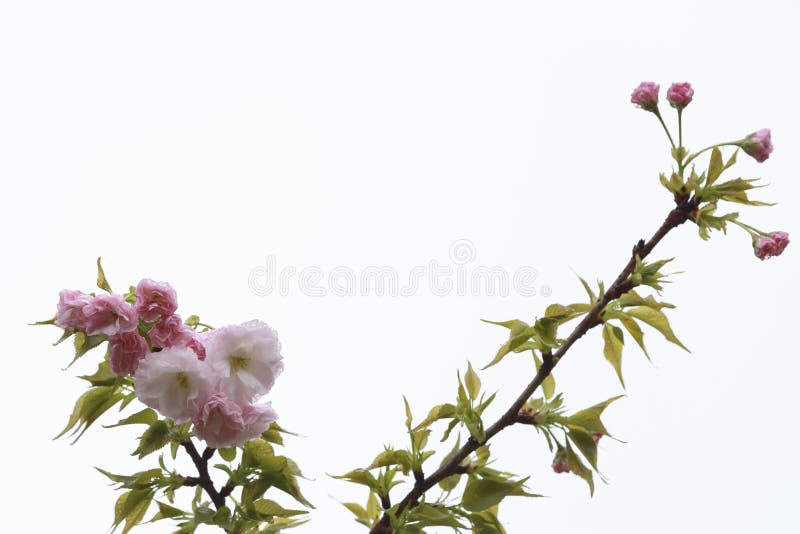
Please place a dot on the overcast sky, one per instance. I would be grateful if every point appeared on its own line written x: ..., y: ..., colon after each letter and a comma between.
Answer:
x: 224, y: 147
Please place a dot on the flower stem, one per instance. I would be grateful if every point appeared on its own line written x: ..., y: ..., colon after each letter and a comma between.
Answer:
x: 706, y: 149
x: 750, y: 230
x: 661, y: 120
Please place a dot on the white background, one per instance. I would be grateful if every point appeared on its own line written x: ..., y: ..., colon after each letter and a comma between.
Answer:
x: 187, y: 141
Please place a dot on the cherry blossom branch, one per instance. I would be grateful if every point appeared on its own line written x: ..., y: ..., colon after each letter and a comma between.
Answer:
x: 621, y: 285
x: 204, y: 480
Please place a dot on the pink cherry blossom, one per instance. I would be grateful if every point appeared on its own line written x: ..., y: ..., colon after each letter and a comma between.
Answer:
x: 221, y: 422
x: 109, y: 315
x: 646, y: 96
x: 758, y: 144
x: 247, y: 357
x: 155, y: 299
x: 174, y: 382
x: 70, y: 309
x: 170, y: 332
x: 773, y: 244
x: 680, y: 94
x: 125, y: 351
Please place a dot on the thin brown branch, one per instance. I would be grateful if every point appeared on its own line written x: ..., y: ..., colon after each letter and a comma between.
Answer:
x: 204, y: 480
x: 621, y: 285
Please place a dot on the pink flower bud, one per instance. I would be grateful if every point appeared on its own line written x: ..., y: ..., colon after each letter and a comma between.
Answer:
x: 758, y: 144
x: 767, y: 246
x: 680, y: 94
x: 646, y: 96
x: 560, y: 466
x: 197, y: 346
x: 109, y: 315
x: 125, y: 351
x: 596, y: 437
x: 155, y: 299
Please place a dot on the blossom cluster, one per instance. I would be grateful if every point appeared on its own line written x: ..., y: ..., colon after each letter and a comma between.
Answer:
x: 212, y: 378
x: 757, y: 144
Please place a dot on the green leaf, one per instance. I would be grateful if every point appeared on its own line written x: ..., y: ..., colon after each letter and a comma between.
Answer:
x: 137, y: 514
x: 391, y: 457
x: 519, y: 333
x: 89, y: 407
x: 419, y: 438
x: 409, y: 417
x: 268, y: 509
x: 482, y: 493
x: 257, y: 453
x: 360, y: 476
x: 165, y: 511
x: 426, y: 515
x: 362, y: 516
x: 546, y: 329
x: 486, y: 522
x: 592, y: 296
x: 577, y: 467
x: 612, y: 348
x: 153, y: 439
x: 147, y: 416
x: 585, y: 443
x: 228, y: 454
x: 589, y: 418
x: 714, y: 166
x: 448, y: 430
x: 131, y: 507
x: 441, y: 411
x: 84, y: 344
x: 633, y: 329
x: 274, y: 434
x: 104, y: 376
x: 46, y: 322
x: 472, y: 420
x: 549, y: 383
x: 286, y: 481
x: 449, y: 483
x: 102, y: 283
x: 657, y: 320
x: 472, y: 382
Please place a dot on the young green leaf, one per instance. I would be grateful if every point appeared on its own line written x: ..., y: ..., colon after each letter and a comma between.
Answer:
x: 657, y: 320
x: 153, y: 439
x: 483, y: 493
x: 714, y: 166
x: 589, y: 418
x: 612, y: 348
x: 472, y: 381
x: 577, y: 467
x: 585, y: 443
x: 147, y: 416
x: 102, y: 283
x: 549, y: 383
